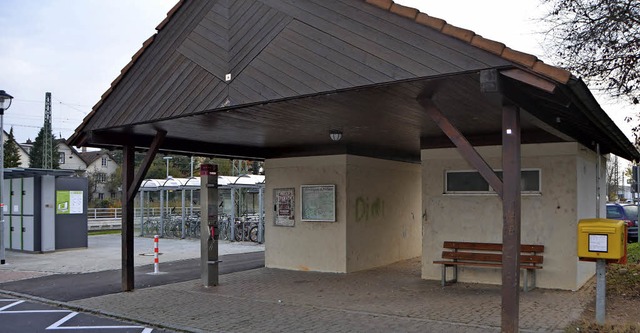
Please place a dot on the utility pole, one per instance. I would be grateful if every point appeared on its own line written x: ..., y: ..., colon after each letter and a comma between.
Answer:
x: 47, y: 148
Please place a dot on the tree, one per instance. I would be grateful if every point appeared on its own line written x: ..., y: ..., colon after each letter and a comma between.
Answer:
x: 35, y: 157
x: 11, y: 152
x: 613, y: 178
x: 600, y: 41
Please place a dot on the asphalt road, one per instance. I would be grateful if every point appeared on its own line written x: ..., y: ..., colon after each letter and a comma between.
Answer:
x: 20, y: 316
x: 69, y: 287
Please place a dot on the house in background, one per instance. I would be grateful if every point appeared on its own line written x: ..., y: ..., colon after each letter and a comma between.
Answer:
x: 100, y: 166
x: 69, y: 158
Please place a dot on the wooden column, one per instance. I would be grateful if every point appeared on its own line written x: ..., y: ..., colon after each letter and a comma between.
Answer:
x: 511, y: 202
x: 127, y: 219
x: 130, y: 185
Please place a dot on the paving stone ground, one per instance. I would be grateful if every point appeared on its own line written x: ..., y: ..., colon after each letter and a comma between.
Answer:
x: 387, y: 299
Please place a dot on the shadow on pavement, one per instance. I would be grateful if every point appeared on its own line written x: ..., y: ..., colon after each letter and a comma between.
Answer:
x: 69, y: 287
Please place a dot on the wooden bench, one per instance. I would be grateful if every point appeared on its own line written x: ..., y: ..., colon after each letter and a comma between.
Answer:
x: 488, y: 255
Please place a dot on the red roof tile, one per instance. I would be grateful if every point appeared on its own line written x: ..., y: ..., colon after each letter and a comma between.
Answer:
x: 524, y: 59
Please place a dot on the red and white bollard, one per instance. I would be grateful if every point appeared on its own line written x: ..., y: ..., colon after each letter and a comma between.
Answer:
x: 156, y: 262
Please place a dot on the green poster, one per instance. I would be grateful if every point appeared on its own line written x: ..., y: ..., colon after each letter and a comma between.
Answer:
x: 63, y: 202
x: 69, y: 202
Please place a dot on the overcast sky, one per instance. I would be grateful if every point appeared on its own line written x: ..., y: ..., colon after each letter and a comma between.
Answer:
x: 76, y: 48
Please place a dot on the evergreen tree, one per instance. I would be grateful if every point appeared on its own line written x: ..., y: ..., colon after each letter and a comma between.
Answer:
x: 11, y: 152
x: 35, y: 157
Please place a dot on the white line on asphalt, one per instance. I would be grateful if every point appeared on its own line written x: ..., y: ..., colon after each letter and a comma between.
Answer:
x: 34, y: 311
x: 56, y: 325
x: 61, y: 321
x: 10, y: 305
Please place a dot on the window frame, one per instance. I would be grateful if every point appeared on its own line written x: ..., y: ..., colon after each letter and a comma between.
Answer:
x: 489, y: 190
x: 61, y: 157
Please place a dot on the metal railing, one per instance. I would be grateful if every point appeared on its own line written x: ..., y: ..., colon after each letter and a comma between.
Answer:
x: 116, y: 213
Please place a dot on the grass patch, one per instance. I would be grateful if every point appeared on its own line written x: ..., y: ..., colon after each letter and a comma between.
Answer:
x: 104, y: 232
x: 590, y: 327
x: 623, y: 281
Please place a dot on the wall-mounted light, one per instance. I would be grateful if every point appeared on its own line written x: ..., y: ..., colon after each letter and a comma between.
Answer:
x: 335, y: 135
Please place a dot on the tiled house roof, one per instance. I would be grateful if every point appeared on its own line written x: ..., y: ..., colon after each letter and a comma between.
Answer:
x: 527, y: 60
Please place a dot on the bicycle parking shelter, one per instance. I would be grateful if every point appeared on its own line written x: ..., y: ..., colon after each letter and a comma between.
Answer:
x: 229, y: 186
x: 381, y: 108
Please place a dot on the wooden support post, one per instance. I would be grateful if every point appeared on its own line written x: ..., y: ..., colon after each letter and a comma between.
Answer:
x: 511, y: 211
x: 130, y: 186
x: 127, y: 220
x: 464, y: 147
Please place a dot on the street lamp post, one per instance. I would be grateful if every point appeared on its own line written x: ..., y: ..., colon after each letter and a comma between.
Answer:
x: 3, y: 98
x: 167, y: 158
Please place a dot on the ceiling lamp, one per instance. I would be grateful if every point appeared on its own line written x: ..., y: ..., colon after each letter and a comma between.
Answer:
x: 335, y: 135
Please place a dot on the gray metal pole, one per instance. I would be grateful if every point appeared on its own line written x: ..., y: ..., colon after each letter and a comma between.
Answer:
x: 233, y: 214
x: 601, y: 264
x: 2, y: 245
x: 184, y: 212
x: 191, y: 192
x: 209, y: 226
x: 601, y: 288
x: 141, y: 213
x: 261, y: 216
x: 160, y: 232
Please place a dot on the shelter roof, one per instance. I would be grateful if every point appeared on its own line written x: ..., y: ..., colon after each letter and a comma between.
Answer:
x: 194, y: 182
x: 31, y: 172
x: 270, y: 78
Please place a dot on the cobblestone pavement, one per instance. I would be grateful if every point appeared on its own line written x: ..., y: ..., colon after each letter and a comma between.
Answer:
x: 387, y: 299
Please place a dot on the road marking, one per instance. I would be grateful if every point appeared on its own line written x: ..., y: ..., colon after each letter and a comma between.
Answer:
x: 10, y: 305
x: 4, y: 308
x: 56, y: 325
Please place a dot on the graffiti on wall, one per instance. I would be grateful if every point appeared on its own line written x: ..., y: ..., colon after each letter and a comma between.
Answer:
x: 369, y: 209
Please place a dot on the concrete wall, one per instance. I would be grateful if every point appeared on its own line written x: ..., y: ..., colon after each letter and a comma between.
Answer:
x: 548, y: 218
x: 377, y: 214
x: 315, y: 246
x: 383, y: 209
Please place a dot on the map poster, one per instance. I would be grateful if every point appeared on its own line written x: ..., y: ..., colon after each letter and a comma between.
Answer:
x: 284, y: 206
x: 318, y: 203
x: 69, y: 202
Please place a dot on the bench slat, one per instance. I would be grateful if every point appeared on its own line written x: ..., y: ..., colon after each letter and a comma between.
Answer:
x: 489, y: 257
x: 490, y: 246
x: 480, y: 264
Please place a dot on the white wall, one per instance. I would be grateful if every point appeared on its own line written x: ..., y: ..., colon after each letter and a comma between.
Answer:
x: 109, y: 169
x: 383, y: 208
x: 378, y: 207
x: 71, y: 160
x: 549, y: 218
x: 315, y: 246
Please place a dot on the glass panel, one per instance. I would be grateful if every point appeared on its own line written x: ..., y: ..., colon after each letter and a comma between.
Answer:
x: 530, y: 181
x: 466, y: 182
x: 631, y: 212
x: 614, y: 213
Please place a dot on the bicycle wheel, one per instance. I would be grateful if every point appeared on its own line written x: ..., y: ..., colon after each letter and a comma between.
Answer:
x: 253, y: 234
x: 238, y: 235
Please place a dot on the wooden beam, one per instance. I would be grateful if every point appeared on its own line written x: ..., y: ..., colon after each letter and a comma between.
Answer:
x: 511, y: 212
x: 530, y: 79
x: 127, y: 220
x: 146, y: 163
x: 464, y: 147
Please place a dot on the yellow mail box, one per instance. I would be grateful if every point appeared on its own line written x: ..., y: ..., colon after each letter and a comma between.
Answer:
x: 601, y: 239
